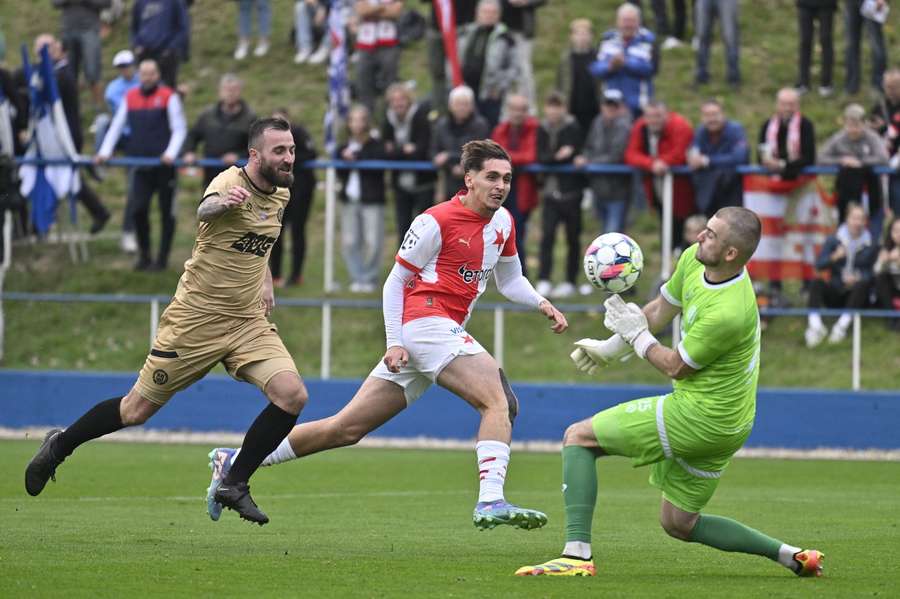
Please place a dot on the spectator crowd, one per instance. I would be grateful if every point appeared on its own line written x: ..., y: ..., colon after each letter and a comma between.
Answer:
x: 603, y: 109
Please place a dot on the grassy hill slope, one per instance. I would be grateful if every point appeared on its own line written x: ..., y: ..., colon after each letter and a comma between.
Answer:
x: 105, y: 337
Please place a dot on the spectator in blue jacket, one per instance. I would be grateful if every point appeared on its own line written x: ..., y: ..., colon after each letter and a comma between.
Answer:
x: 160, y: 31
x: 719, y: 146
x: 114, y: 93
x: 628, y: 58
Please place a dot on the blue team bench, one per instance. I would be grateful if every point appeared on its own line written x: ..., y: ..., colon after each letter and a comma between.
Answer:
x: 786, y: 418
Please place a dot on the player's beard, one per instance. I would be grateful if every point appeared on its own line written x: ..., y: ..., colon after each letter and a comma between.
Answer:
x: 705, y: 260
x: 276, y: 176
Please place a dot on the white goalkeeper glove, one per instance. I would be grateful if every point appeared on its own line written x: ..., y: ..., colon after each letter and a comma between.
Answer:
x: 591, y: 354
x: 629, y: 321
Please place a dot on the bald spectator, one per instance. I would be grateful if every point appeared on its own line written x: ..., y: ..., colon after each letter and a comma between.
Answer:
x: 221, y: 129
x: 628, y: 58
x: 462, y: 124
x: 487, y: 56
x: 856, y: 149
x: 660, y: 140
x: 787, y: 140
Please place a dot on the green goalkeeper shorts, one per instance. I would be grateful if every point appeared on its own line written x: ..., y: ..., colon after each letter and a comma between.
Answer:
x: 686, y: 464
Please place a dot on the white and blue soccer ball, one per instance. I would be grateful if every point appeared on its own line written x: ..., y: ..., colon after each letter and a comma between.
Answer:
x: 613, y: 262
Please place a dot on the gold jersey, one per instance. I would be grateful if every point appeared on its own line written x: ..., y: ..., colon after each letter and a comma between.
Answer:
x: 227, y: 267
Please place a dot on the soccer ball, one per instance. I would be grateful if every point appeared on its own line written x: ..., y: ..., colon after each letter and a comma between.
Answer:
x: 613, y: 262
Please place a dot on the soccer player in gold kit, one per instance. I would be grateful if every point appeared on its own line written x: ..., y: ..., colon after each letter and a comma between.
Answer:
x: 219, y: 314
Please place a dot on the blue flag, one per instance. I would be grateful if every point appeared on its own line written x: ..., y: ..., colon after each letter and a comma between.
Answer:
x: 42, y: 185
x: 338, y: 89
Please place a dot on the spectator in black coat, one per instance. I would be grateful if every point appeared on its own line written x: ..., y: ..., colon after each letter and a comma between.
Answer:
x: 222, y: 129
x: 573, y: 75
x: 297, y: 211
x: 406, y: 134
x: 559, y: 141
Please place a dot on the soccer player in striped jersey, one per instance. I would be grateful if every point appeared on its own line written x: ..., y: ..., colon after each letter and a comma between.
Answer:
x: 444, y: 264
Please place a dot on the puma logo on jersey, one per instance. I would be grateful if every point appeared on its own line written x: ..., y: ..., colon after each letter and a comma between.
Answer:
x: 251, y: 243
x: 464, y: 241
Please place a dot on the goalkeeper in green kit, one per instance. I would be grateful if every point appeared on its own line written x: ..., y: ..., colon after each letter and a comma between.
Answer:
x: 689, y: 435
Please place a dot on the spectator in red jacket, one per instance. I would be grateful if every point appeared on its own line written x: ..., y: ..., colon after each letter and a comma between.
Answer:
x: 660, y: 140
x: 518, y: 134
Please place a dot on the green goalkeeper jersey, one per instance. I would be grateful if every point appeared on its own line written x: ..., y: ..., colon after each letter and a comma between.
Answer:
x: 720, y: 339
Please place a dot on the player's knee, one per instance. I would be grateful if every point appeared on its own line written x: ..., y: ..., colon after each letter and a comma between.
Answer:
x: 135, y: 410
x: 676, y: 528
x: 288, y: 393
x: 570, y: 437
x: 347, y: 434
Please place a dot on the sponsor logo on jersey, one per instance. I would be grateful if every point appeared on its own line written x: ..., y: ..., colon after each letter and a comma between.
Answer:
x: 410, y: 240
x: 251, y: 243
x: 160, y: 377
x: 469, y: 275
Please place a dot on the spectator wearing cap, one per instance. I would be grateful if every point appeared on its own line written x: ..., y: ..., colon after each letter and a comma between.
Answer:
x: 719, y: 146
x: 573, y: 75
x: 628, y: 59
x: 222, y: 129
x: 605, y: 143
x: 115, y: 91
x: 80, y: 28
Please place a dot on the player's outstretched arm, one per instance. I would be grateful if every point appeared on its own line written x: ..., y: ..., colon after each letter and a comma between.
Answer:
x: 213, y: 206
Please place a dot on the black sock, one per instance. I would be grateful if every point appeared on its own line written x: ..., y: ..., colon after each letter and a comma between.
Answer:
x: 268, y: 430
x: 102, y: 419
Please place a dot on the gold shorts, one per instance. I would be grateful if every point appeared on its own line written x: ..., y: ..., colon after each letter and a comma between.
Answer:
x: 189, y: 344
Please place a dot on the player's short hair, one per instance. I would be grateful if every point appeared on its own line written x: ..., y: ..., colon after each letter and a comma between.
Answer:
x: 744, y: 230
x: 475, y: 153
x: 260, y: 126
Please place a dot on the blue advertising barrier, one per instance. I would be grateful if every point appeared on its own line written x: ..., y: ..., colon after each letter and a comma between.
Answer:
x: 794, y: 419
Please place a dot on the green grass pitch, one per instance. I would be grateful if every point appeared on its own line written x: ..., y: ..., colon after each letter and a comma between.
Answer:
x: 128, y: 520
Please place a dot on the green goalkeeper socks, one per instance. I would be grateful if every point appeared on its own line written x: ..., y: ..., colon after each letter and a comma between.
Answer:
x: 730, y: 535
x: 579, y: 491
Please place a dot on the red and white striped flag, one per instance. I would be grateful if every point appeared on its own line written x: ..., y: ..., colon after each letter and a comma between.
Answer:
x: 796, y: 218
x: 446, y: 20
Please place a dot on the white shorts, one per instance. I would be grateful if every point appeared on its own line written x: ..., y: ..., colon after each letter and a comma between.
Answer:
x: 432, y: 343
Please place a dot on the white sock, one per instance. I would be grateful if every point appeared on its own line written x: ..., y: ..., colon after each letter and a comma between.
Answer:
x: 786, y: 556
x: 844, y: 321
x: 578, y: 549
x: 283, y: 453
x: 493, y: 459
x: 815, y: 321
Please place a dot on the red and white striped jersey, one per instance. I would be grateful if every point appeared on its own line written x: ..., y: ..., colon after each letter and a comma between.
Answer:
x: 371, y: 35
x: 453, y: 251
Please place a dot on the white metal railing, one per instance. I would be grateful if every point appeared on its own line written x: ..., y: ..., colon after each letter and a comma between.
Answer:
x: 327, y: 305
